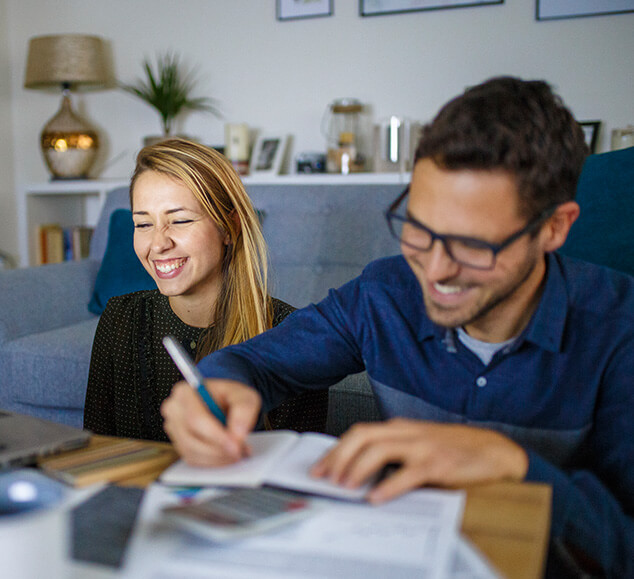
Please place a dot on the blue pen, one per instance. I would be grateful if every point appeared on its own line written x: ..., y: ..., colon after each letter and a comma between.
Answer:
x: 192, y: 375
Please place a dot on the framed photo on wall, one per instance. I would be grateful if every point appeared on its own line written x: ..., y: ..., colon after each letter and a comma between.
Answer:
x: 378, y: 7
x: 591, y: 132
x: 555, y: 9
x: 295, y: 9
x: 266, y: 157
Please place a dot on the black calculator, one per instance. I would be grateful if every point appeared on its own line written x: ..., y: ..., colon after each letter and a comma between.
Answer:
x: 241, y: 513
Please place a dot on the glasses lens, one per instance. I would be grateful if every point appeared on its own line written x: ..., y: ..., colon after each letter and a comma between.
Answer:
x: 472, y: 254
x: 408, y: 233
x: 415, y: 236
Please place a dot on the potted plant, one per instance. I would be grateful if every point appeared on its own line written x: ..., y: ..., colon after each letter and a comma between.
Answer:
x: 168, y: 90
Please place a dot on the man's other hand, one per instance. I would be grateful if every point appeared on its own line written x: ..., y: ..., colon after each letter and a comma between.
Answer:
x: 427, y: 453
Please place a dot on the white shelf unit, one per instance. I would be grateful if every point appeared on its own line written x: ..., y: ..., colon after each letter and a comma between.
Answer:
x: 70, y: 203
x: 329, y: 179
x: 67, y: 203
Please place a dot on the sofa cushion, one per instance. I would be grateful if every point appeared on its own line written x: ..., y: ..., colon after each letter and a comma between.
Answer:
x: 53, y: 364
x: 121, y: 271
x: 320, y: 236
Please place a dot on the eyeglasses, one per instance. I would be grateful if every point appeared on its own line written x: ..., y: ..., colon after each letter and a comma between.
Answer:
x: 467, y: 251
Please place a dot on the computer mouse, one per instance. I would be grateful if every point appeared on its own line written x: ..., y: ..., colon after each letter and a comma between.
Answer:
x: 28, y: 489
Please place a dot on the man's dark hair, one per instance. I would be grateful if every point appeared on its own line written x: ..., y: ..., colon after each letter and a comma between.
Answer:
x: 514, y: 125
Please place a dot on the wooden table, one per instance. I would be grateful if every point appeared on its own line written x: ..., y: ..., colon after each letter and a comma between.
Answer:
x: 508, y: 522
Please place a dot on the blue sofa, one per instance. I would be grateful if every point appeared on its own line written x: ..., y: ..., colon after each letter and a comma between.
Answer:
x: 319, y: 237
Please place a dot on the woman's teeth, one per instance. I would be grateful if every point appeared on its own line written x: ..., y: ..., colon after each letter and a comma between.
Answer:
x: 168, y: 267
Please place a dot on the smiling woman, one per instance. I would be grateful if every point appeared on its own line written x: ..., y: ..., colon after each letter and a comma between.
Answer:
x: 198, y: 236
x: 179, y: 245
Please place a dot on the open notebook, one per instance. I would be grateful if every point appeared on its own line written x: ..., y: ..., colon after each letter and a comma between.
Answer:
x: 280, y: 458
x: 24, y: 439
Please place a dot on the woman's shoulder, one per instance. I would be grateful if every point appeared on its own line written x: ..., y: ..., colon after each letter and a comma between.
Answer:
x: 126, y: 304
x: 280, y: 310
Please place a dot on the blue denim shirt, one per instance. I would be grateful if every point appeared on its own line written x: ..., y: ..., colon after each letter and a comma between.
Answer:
x: 564, y: 390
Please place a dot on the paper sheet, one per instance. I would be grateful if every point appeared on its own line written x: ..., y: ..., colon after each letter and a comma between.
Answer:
x: 413, y: 536
x: 468, y: 563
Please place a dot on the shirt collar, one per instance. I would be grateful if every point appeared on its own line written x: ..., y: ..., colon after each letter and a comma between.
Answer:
x: 546, y: 326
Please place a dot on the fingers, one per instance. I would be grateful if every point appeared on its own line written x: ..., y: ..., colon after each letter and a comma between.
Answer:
x: 362, y: 451
x: 373, y: 450
x: 398, y: 483
x: 197, y: 435
x: 241, y: 405
x: 446, y: 455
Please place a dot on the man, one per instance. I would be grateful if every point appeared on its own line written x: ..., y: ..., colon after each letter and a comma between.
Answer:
x: 512, y: 362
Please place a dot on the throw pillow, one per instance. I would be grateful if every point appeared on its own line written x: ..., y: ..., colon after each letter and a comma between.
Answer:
x: 121, y: 271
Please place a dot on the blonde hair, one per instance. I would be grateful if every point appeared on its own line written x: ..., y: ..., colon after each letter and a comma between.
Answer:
x: 243, y: 307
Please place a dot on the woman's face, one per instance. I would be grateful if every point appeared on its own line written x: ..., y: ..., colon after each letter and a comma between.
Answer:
x: 175, y: 238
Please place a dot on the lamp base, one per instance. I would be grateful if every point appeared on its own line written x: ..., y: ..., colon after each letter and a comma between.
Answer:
x: 69, y: 144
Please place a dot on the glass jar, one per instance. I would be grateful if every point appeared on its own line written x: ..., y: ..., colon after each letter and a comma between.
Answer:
x: 341, y: 128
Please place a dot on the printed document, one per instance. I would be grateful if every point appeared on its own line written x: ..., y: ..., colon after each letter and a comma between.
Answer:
x: 413, y: 536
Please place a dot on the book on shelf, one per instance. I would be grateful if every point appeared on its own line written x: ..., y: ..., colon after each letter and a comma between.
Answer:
x: 56, y: 244
x: 80, y: 241
x: 50, y: 243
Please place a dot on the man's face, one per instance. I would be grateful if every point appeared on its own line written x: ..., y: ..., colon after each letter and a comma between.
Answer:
x: 483, y: 205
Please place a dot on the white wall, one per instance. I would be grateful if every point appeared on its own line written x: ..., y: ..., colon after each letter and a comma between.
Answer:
x: 8, y: 242
x: 279, y: 76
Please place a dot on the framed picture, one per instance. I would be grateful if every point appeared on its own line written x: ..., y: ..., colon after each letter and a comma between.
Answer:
x: 555, y: 9
x: 591, y: 132
x: 295, y: 9
x: 267, y: 155
x: 377, y: 7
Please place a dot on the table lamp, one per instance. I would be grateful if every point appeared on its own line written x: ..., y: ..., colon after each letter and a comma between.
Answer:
x: 69, y: 143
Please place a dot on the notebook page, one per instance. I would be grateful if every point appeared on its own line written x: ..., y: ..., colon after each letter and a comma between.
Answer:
x: 268, y: 448
x: 292, y: 471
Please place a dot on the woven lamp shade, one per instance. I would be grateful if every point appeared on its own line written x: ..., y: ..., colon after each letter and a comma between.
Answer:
x: 75, y: 59
x: 69, y: 143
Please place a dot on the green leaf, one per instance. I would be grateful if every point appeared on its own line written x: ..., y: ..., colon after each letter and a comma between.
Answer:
x: 168, y: 89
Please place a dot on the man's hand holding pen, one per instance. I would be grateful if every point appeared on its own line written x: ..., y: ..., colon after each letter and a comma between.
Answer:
x: 198, y: 436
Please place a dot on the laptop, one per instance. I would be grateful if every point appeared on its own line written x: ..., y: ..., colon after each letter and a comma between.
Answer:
x: 24, y: 439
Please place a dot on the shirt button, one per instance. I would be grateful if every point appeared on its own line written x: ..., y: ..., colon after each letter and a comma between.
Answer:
x: 481, y: 381
x: 192, y: 345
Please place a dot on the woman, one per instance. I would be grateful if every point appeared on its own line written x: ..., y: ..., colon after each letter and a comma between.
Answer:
x: 198, y: 236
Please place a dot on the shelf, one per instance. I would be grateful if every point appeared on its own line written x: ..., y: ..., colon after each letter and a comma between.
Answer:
x: 86, y: 186
x: 65, y: 202
x: 329, y: 179
x: 79, y: 202
x: 74, y: 187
